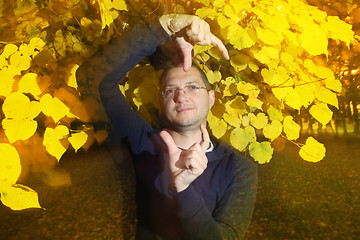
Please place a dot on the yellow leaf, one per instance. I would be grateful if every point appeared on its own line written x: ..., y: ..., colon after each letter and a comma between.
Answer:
x: 219, y: 3
x: 273, y: 130
x: 240, y: 61
x: 248, y: 89
x: 10, y: 165
x: 52, y: 139
x: 293, y: 99
x: 22, y: 62
x: 314, y: 41
x: 9, y: 50
x: 266, y: 54
x: 261, y: 152
x: 29, y: 84
x: 36, y: 43
x: 228, y: 87
x: 305, y: 93
x: 200, y: 49
x: 71, y: 79
x: 218, y: 126
x: 333, y: 84
x: 206, y: 13
x: 241, y: 137
x: 268, y: 37
x: 274, y: 114
x: 291, y: 128
x: 19, y: 197
x: 254, y: 102
x: 259, y: 121
x: 53, y: 107
x: 312, y: 151
x: 321, y: 112
x: 327, y: 96
x: 280, y: 93
x: 213, y: 76
x: 240, y: 5
x: 72, y: 101
x: 232, y: 120
x: 239, y: 37
x: 18, y: 106
x: 77, y: 140
x: 19, y: 129
x: 229, y: 12
x: 339, y: 29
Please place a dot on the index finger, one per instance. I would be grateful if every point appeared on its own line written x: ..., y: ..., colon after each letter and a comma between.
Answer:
x: 205, y: 138
x: 216, y: 42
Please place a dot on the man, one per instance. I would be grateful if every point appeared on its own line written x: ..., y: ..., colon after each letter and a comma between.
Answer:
x: 187, y: 186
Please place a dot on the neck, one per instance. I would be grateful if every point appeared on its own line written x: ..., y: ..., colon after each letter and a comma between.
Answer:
x: 185, y: 139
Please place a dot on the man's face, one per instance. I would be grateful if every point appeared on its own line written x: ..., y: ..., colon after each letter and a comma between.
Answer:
x: 186, y: 111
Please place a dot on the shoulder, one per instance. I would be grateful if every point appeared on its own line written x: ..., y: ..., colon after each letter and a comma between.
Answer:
x: 237, y: 159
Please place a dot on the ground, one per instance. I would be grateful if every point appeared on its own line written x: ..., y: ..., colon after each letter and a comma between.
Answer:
x: 296, y: 199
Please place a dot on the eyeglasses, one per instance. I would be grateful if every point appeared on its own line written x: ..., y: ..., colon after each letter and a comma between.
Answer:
x: 188, y: 90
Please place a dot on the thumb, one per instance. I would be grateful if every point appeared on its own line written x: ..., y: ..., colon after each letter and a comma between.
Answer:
x: 171, y: 146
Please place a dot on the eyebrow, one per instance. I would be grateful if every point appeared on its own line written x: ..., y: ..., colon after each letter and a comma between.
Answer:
x: 187, y: 83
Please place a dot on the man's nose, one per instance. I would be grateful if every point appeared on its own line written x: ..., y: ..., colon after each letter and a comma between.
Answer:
x: 179, y: 95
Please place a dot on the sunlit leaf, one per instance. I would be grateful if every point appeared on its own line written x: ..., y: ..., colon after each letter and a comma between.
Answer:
x: 312, y: 151
x: 291, y: 128
x: 213, y: 76
x: 274, y: 114
x: 53, y: 107
x: 77, y: 140
x: 259, y: 121
x: 19, y: 106
x: 29, y: 84
x: 266, y: 54
x: 9, y: 50
x: 52, y: 141
x: 321, y: 112
x: 218, y: 126
x: 71, y: 81
x: 19, y: 197
x: 19, y: 129
x: 241, y: 137
x: 339, y: 29
x: 10, y: 165
x: 314, y: 41
x: 239, y: 37
x: 261, y: 152
x: 273, y: 130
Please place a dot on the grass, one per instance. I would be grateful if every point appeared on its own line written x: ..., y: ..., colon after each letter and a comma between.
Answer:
x: 296, y: 199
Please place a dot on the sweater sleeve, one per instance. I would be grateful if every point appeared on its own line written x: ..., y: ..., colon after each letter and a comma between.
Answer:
x: 232, y: 214
x: 120, y: 56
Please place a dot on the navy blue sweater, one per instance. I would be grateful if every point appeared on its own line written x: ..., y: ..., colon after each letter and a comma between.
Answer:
x: 218, y: 204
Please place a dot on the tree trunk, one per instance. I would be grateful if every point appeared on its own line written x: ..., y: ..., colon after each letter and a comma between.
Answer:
x: 355, y: 116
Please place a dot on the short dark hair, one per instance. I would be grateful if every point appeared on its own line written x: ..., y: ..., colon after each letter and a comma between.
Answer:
x: 203, y: 76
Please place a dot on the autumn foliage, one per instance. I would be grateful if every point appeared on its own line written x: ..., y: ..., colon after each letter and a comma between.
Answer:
x: 278, y: 52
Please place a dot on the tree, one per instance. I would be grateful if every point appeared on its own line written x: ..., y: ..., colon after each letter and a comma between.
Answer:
x: 278, y: 49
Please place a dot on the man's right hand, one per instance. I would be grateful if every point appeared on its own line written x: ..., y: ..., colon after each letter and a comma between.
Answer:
x: 186, y: 165
x: 188, y: 30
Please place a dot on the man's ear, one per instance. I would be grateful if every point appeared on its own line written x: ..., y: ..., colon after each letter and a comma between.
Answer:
x: 211, y: 98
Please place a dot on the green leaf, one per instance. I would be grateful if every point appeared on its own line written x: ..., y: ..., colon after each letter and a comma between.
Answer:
x: 240, y: 137
x: 261, y: 152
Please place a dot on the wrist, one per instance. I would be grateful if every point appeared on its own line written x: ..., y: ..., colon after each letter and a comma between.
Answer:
x: 176, y: 189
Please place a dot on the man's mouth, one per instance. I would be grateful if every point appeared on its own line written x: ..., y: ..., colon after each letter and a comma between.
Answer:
x: 183, y: 109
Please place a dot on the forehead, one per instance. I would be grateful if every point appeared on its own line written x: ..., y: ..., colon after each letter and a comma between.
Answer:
x: 177, y: 76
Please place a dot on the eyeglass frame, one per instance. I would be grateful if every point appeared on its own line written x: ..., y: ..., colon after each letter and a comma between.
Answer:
x: 176, y: 90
